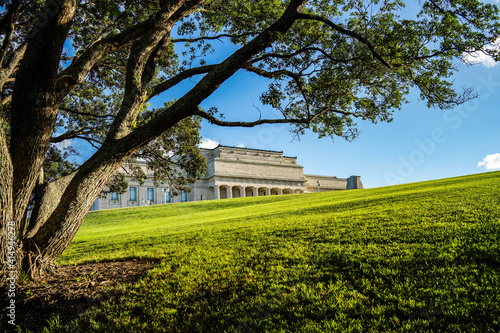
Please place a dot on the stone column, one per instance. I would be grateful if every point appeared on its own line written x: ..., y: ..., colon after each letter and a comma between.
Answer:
x: 255, y: 192
x: 138, y: 195
x: 268, y: 191
x: 229, y: 192
x: 280, y: 191
x: 216, y: 192
x: 242, y: 192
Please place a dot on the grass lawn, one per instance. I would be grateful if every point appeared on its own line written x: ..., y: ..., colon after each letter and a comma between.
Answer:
x: 423, y: 256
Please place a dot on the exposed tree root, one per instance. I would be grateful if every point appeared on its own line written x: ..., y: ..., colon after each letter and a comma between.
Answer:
x: 69, y: 291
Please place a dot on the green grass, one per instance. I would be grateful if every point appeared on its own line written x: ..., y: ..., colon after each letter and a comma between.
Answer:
x: 423, y: 256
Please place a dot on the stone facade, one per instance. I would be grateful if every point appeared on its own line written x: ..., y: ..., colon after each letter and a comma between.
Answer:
x: 234, y: 172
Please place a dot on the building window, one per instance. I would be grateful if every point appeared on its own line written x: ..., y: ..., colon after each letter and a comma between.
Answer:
x: 114, y: 196
x: 169, y: 197
x: 183, y: 196
x: 151, y: 194
x: 132, y: 193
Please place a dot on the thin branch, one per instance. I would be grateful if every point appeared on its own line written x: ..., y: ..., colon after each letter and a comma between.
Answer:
x: 89, y: 140
x: 350, y: 33
x: 295, y: 76
x: 73, y: 134
x: 193, y: 40
x: 6, y: 100
x: 271, y: 75
x: 305, y: 121
x: 303, y: 50
x: 86, y: 113
x: 216, y: 121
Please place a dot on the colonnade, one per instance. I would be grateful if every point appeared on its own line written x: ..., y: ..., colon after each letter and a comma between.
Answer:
x: 240, y: 191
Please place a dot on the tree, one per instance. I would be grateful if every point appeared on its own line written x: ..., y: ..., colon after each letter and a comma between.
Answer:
x: 328, y: 62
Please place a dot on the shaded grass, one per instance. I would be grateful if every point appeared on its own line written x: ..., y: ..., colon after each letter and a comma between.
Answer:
x: 413, y: 257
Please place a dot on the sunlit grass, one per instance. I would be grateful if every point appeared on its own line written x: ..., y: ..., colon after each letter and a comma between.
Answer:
x: 422, y: 256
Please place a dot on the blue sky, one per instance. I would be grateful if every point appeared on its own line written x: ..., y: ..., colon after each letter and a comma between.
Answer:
x: 420, y: 144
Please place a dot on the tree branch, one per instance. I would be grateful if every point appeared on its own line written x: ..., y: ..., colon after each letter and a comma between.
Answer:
x: 302, y: 50
x: 75, y: 73
x: 6, y: 100
x: 91, y: 141
x: 193, y: 40
x: 9, y: 29
x: 188, y: 104
x: 12, y: 64
x: 86, y: 113
x: 73, y: 134
x: 216, y: 121
x: 8, y: 19
x: 271, y: 75
x: 144, y: 55
x: 348, y: 33
x: 305, y: 121
x: 165, y: 85
x: 295, y: 76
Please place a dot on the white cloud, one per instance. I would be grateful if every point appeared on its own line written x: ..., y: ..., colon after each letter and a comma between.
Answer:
x: 208, y: 143
x: 65, y: 144
x: 241, y: 145
x: 481, y: 58
x: 490, y: 162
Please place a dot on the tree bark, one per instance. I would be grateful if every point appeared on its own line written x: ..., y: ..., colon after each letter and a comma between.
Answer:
x: 34, y: 106
x: 47, y: 197
x: 10, y: 235
x: 44, y: 245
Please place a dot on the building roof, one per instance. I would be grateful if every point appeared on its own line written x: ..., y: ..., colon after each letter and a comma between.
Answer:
x: 253, y: 149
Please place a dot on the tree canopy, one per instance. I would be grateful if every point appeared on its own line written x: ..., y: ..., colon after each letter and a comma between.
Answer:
x: 86, y: 70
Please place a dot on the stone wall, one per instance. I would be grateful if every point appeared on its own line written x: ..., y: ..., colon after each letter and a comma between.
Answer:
x: 234, y: 172
x: 327, y: 183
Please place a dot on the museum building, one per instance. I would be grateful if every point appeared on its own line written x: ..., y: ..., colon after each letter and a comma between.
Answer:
x: 233, y: 172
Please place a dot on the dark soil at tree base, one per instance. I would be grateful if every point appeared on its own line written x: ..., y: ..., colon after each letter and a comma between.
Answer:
x: 72, y: 290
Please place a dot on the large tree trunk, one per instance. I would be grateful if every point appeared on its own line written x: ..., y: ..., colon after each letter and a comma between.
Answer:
x: 58, y: 223
x: 47, y: 198
x: 34, y: 104
x: 33, y: 113
x: 10, y: 250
